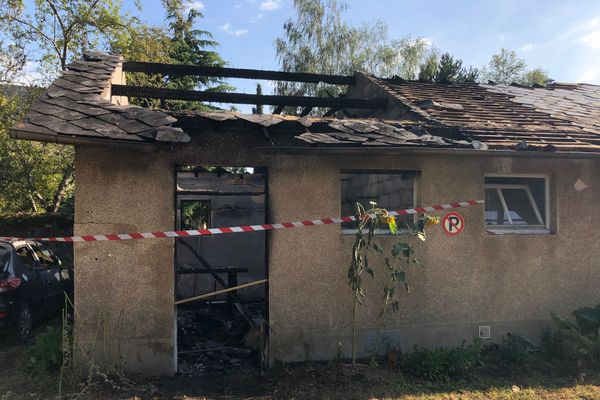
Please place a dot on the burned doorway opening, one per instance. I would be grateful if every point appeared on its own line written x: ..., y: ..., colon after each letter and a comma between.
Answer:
x: 227, y: 330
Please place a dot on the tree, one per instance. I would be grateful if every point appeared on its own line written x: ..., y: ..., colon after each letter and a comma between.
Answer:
x: 536, y: 76
x: 446, y: 69
x: 59, y: 30
x: 428, y: 70
x: 259, y: 107
x: 177, y: 43
x: 506, y: 68
x: 191, y: 46
x: 318, y: 40
x: 53, y: 32
x: 33, y: 175
x: 449, y: 69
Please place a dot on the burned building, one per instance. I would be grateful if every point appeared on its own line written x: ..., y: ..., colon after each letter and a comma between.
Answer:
x: 530, y: 152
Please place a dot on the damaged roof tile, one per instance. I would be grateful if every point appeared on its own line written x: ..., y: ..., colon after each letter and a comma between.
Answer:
x: 72, y: 108
x: 557, y: 117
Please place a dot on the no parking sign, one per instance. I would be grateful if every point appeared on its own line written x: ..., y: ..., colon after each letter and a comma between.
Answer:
x: 453, y: 223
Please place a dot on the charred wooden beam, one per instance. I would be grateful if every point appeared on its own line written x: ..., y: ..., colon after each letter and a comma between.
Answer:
x: 197, y: 70
x: 243, y: 98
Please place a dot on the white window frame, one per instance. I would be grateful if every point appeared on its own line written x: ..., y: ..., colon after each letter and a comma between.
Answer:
x: 541, y: 229
x: 383, y: 232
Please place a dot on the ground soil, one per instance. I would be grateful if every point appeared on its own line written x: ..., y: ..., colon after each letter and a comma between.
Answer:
x: 331, y: 380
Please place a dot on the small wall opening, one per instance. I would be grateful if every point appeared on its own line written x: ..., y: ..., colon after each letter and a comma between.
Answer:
x: 219, y: 329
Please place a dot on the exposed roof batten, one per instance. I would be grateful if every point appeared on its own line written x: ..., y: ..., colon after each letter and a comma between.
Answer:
x: 243, y: 98
x: 244, y: 73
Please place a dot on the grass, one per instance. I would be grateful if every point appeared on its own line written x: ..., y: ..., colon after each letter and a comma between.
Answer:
x: 330, y: 380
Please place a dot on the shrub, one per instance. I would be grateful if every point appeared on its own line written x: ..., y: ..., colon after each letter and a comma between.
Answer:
x: 553, y: 345
x: 44, y: 358
x: 443, y: 363
x: 516, y: 350
x: 583, y: 334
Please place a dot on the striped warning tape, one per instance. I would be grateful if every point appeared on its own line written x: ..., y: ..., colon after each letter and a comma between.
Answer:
x: 236, y: 229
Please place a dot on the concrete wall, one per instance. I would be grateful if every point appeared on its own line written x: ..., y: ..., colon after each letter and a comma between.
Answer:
x: 511, y: 283
x: 124, y: 289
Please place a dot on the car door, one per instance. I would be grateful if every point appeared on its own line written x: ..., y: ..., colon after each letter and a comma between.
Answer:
x: 32, y: 288
x: 50, y: 275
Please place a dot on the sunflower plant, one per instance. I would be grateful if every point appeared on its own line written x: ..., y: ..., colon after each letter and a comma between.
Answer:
x: 396, y: 261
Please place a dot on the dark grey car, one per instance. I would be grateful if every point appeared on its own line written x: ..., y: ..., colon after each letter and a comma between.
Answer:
x: 33, y: 282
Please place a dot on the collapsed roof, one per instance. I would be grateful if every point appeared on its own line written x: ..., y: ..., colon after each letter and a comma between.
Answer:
x: 89, y: 103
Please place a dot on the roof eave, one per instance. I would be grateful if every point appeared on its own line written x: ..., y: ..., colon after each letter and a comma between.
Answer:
x: 391, y: 150
x: 27, y: 134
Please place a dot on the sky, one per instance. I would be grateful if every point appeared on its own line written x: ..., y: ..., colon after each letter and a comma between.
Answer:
x: 562, y: 37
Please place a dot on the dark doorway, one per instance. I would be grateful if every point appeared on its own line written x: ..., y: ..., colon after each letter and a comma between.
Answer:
x: 226, y: 330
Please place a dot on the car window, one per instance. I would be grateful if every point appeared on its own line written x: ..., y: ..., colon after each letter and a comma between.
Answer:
x: 26, y: 257
x: 4, y: 258
x: 45, y: 256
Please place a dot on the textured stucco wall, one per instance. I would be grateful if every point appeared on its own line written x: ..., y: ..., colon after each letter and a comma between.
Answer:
x: 511, y: 283
x: 124, y: 290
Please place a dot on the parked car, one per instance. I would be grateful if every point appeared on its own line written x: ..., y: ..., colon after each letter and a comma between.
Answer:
x: 33, y: 281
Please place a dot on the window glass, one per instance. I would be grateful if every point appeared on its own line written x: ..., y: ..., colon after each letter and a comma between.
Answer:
x: 45, y: 256
x: 515, y: 202
x: 390, y: 190
x: 26, y: 257
x: 4, y: 258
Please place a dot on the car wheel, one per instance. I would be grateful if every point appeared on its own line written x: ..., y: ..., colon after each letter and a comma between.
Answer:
x: 24, y: 322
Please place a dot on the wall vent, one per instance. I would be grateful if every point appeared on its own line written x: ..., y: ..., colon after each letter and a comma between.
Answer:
x: 485, y: 332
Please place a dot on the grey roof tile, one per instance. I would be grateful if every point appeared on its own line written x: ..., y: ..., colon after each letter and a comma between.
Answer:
x: 72, y: 107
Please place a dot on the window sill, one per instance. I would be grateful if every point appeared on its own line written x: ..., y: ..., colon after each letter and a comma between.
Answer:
x: 517, y: 231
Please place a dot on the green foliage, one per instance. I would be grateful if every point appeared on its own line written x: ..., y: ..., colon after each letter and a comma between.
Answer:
x: 553, y: 344
x: 516, y: 350
x: 396, y: 262
x: 429, y: 69
x: 259, y: 109
x: 583, y: 333
x: 45, y: 357
x: 195, y: 214
x: 60, y: 30
x: 449, y: 69
x: 506, y: 68
x: 318, y: 40
x: 536, y: 76
x: 180, y: 42
x: 30, y: 172
x: 35, y: 176
x: 446, y: 69
x: 443, y: 364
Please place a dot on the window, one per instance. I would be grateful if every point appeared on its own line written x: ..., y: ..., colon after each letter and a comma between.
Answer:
x: 26, y: 257
x: 516, y: 204
x: 4, y: 258
x: 390, y: 190
x: 46, y: 257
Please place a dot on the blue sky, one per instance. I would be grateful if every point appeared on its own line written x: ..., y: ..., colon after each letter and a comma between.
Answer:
x: 563, y: 37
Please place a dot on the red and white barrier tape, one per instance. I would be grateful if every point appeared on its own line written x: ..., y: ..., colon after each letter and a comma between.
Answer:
x: 236, y: 229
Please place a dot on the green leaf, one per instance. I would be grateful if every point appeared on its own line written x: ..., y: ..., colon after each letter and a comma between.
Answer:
x: 400, y: 276
x: 401, y: 248
x: 393, y: 226
x: 416, y: 262
x: 378, y: 248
